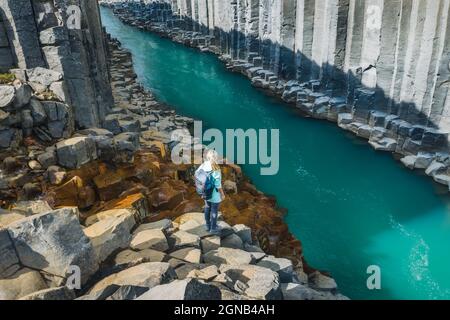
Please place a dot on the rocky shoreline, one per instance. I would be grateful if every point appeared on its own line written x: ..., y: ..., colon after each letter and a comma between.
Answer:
x: 418, y: 147
x: 107, y: 205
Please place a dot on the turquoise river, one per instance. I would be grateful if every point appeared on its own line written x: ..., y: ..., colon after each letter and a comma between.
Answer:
x: 351, y: 207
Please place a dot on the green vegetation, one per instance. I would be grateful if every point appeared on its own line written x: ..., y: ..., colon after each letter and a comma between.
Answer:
x: 6, y: 78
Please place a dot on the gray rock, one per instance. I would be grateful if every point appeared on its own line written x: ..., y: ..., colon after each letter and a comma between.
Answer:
x: 206, y: 274
x: 20, y: 284
x: 53, y: 36
x: 130, y: 257
x: 60, y: 90
x: 181, y: 239
x: 143, y: 275
x: 37, y: 111
x: 100, y: 294
x: 58, y: 293
x: 261, y: 283
x: 96, y: 132
x: 47, y: 159
x: 53, y: 242
x: 409, y: 161
x: 32, y: 207
x: 228, y: 256
x: 23, y: 96
x: 188, y: 289
x: 244, y: 232
x: 7, y: 95
x: 282, y: 266
x: 161, y: 225
x: 128, y: 293
x: 109, y: 235
x: 322, y: 282
x: 191, y: 255
x: 43, y: 76
x: 9, y: 263
x: 55, y: 111
x: 210, y: 243
x: 73, y: 153
x: 294, y: 291
x: 149, y: 239
x: 232, y: 241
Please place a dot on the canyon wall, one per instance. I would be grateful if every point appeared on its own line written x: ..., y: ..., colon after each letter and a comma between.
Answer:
x: 50, y: 34
x: 383, y: 64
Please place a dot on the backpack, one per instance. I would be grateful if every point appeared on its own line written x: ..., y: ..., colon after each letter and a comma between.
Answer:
x: 204, y: 183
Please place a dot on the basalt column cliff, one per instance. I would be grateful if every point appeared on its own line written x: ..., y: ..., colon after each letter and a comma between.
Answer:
x: 37, y: 34
x: 381, y: 69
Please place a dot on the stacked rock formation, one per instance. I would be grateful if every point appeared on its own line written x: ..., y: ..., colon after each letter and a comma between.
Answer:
x: 378, y: 68
x: 41, y: 34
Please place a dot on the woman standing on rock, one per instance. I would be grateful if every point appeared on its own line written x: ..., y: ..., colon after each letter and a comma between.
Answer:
x: 208, y: 180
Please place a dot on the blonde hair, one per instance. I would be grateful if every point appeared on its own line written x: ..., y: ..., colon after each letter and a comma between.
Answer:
x: 213, y: 157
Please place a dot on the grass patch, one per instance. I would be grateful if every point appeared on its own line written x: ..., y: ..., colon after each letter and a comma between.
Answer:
x: 6, y: 78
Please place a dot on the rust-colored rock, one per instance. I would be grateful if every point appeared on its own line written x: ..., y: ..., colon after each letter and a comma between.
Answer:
x: 137, y: 202
x: 165, y: 197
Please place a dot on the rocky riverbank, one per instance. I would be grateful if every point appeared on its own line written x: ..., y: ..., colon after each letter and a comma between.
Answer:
x: 418, y: 146
x: 106, y: 209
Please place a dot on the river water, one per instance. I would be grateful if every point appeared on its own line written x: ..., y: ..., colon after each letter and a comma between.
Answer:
x: 350, y: 206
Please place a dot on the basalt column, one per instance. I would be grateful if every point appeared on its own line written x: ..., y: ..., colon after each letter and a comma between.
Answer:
x: 287, y: 45
x: 18, y: 21
x: 304, y: 31
x: 6, y: 58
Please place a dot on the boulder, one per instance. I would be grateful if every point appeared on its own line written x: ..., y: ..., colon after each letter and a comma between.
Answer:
x: 260, y: 283
x: 181, y: 239
x: 128, y: 293
x: 58, y: 293
x: 143, y: 275
x: 210, y: 244
x: 73, y: 153
x: 9, y: 216
x: 43, y: 76
x: 32, y: 207
x: 149, y: 239
x: 109, y: 235
x: 163, y: 224
x: 294, y: 291
x: 22, y: 283
x: 191, y: 255
x: 9, y: 262
x: 282, y: 266
x: 322, y: 282
x: 227, y: 256
x: 188, y: 289
x: 244, y: 232
x: 130, y: 257
x: 47, y: 159
x: 53, y: 242
x: 23, y: 96
x: 435, y: 167
x: 206, y: 274
x: 105, y: 215
x: 423, y: 160
x: 232, y: 241
x: 409, y: 161
x: 102, y: 294
x: 7, y: 95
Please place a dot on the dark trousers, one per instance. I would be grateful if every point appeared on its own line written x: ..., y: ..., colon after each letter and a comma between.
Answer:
x: 211, y: 211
